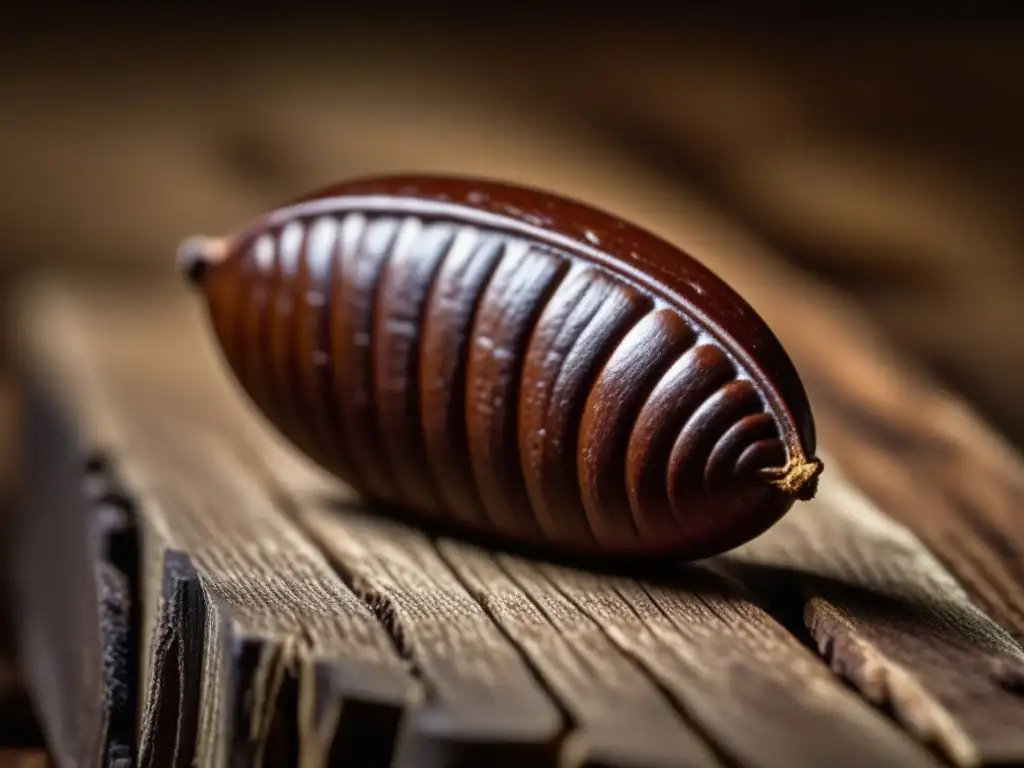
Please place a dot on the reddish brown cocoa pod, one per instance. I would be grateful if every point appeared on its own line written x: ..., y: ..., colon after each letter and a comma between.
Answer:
x: 512, y: 363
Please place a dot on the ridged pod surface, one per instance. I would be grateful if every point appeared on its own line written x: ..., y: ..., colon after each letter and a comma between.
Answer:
x: 512, y: 363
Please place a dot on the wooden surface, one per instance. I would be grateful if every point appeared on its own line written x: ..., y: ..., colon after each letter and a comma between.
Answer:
x: 878, y: 625
x: 472, y: 656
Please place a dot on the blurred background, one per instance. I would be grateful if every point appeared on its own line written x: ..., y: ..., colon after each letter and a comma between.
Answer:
x: 880, y: 152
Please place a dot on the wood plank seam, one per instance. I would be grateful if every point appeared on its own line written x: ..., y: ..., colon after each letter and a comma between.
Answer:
x: 187, y: 642
x: 950, y: 681
x: 700, y: 750
x: 116, y: 431
x: 526, y: 726
x: 170, y: 718
x: 664, y: 634
x: 971, y: 528
x: 361, y: 587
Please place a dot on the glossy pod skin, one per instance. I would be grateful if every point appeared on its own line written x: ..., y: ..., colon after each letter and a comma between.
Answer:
x: 514, y: 364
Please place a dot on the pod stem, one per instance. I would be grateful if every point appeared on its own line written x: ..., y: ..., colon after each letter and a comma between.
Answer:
x: 799, y: 477
x: 197, y: 254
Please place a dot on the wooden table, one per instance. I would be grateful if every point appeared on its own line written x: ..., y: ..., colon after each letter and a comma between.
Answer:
x: 188, y: 590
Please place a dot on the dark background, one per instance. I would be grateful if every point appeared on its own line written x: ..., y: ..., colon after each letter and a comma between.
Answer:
x: 879, y: 149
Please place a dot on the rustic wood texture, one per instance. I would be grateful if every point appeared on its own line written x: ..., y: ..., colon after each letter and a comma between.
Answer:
x: 742, y: 689
x: 242, y: 611
x: 485, y: 707
x: 653, y: 633
x: 893, y: 622
x: 620, y: 715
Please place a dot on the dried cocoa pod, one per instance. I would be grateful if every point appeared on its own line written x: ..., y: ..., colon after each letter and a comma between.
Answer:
x: 509, y: 362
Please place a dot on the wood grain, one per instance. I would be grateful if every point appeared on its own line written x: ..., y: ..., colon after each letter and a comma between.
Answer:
x: 660, y: 633
x: 694, y: 638
x: 450, y: 598
x: 619, y: 714
x: 243, y: 615
x: 895, y: 624
x: 744, y: 681
x: 119, y: 676
x: 484, y: 705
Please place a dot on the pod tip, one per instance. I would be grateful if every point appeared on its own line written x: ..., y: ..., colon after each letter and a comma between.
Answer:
x: 799, y: 478
x: 196, y: 255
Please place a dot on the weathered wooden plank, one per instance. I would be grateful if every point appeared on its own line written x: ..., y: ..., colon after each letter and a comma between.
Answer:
x: 685, y: 616
x: 244, y: 616
x: 453, y: 605
x: 695, y: 638
x: 620, y: 715
x: 957, y: 486
x: 484, y: 706
x: 747, y: 683
x: 484, y: 698
x: 895, y: 624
